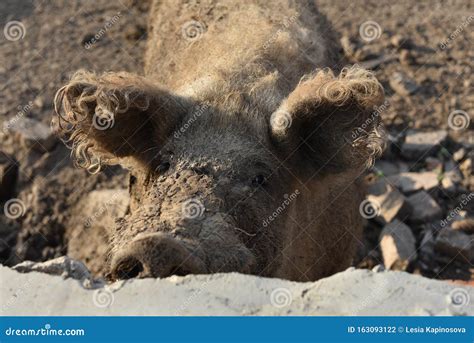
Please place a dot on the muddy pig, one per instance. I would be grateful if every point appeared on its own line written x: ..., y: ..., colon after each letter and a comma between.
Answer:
x: 246, y: 141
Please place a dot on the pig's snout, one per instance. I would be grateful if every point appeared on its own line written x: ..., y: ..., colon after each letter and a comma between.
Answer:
x: 155, y: 255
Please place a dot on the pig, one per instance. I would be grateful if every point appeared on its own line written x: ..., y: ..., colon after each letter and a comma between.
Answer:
x: 246, y: 140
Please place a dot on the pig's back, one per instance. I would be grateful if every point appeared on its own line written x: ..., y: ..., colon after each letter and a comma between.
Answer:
x: 245, y: 42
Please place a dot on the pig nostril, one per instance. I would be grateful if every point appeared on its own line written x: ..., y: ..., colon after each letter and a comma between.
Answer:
x: 128, y: 268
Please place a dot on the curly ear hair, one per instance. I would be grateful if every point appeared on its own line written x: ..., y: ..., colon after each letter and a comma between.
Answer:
x: 326, y: 110
x: 103, y: 118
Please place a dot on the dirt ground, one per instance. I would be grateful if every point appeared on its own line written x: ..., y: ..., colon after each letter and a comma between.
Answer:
x: 429, y: 41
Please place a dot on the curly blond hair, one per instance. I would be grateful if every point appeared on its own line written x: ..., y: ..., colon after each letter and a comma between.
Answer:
x: 88, y: 103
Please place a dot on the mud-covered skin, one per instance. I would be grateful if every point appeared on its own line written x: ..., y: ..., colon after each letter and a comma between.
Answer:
x: 235, y: 191
x: 236, y: 122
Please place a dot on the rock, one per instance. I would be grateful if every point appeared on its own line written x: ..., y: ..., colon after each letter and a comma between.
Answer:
x: 466, y: 167
x: 452, y: 177
x: 385, y: 168
x: 379, y: 268
x: 402, y: 85
x: 454, y: 216
x: 63, y: 266
x: 419, y: 144
x: 448, y: 184
x: 427, y: 245
x: 465, y: 225
x: 406, y: 58
x: 434, y: 164
x: 8, y: 176
x: 135, y: 32
x: 87, y: 39
x: 397, y: 244
x: 411, y: 182
x: 378, y: 187
x: 455, y: 243
x: 34, y: 134
x: 352, y: 292
x: 39, y: 102
x: 349, y: 46
x: 390, y: 205
x: 375, y: 62
x: 401, y: 42
x: 459, y: 154
x: 424, y: 208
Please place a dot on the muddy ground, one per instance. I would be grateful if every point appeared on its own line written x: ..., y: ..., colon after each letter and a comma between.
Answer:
x: 429, y: 42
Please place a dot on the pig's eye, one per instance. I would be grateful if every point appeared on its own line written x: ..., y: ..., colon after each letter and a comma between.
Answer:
x: 259, y: 180
x: 163, y: 167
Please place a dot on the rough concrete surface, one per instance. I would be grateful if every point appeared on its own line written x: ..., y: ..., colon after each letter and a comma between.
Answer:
x: 353, y: 292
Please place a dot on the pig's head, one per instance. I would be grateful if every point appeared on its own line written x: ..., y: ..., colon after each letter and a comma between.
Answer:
x: 203, y: 180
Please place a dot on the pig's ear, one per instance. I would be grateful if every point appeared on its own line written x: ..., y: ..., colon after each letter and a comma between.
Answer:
x: 331, y: 123
x: 115, y: 118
